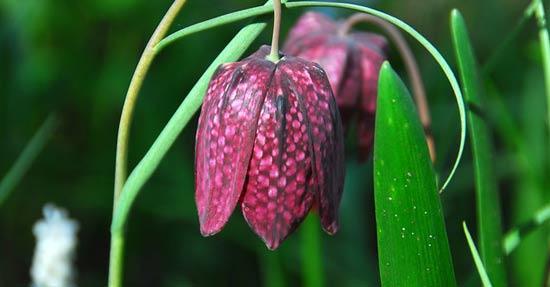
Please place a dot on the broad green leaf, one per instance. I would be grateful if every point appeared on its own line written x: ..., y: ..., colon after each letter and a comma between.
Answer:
x: 412, y: 242
x: 487, y: 197
x: 477, y: 259
x: 26, y: 158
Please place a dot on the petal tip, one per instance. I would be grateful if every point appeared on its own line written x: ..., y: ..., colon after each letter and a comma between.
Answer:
x: 332, y: 228
x: 208, y: 228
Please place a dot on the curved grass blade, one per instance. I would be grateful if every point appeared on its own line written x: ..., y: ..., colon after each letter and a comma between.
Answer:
x: 27, y: 157
x: 477, y: 259
x: 487, y: 197
x: 412, y: 242
x: 402, y: 25
x: 213, y: 23
x: 514, y: 237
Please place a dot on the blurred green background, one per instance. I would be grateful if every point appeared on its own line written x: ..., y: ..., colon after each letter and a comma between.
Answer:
x: 76, y: 58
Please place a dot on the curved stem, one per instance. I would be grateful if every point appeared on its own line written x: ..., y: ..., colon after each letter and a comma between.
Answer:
x: 429, y: 47
x: 133, y: 92
x: 117, y: 240
x: 411, y: 65
x: 274, y: 55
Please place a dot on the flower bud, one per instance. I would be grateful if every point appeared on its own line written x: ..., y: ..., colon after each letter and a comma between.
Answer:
x: 352, y: 61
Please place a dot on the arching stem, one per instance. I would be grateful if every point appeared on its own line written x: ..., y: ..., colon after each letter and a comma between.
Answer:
x: 410, y: 64
x: 274, y: 55
x: 117, y: 240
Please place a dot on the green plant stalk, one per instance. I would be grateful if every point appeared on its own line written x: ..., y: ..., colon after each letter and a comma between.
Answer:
x: 514, y: 237
x: 117, y: 240
x: 487, y: 197
x: 411, y: 66
x: 477, y: 259
x: 272, y: 268
x: 544, y: 39
x: 274, y: 54
x: 213, y: 23
x: 311, y: 251
x: 26, y: 158
x: 132, y: 94
x: 191, y: 104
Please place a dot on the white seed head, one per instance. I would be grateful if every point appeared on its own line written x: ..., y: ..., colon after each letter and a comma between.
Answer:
x: 55, y: 247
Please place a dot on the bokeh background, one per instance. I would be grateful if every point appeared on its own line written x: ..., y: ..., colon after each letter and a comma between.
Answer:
x: 76, y: 58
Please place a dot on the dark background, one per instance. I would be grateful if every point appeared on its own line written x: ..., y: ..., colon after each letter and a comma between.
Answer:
x: 75, y: 58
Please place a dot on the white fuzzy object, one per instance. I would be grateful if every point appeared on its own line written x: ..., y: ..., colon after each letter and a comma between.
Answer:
x: 55, y: 247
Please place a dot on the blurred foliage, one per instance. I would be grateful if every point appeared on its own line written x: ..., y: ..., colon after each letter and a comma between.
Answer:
x: 76, y: 58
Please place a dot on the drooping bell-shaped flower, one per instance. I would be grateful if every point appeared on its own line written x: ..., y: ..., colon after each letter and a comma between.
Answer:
x: 270, y: 138
x: 352, y: 61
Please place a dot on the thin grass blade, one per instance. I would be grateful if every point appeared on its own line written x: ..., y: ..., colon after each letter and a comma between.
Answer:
x: 487, y: 197
x: 412, y: 242
x: 26, y: 158
x: 477, y: 259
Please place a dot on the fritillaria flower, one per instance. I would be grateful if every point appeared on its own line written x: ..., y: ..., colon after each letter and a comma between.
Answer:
x: 352, y: 61
x: 269, y: 138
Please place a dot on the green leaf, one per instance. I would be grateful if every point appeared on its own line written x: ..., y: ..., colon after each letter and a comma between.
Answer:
x: 412, y: 242
x: 477, y: 260
x: 27, y: 157
x: 487, y: 197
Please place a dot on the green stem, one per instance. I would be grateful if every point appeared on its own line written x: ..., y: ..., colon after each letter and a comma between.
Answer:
x: 273, y: 271
x: 213, y: 23
x: 312, y: 255
x: 132, y: 94
x: 274, y: 55
x: 428, y: 46
x: 117, y: 240
x: 411, y: 66
x: 545, y: 49
x: 116, y: 258
x: 25, y: 160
